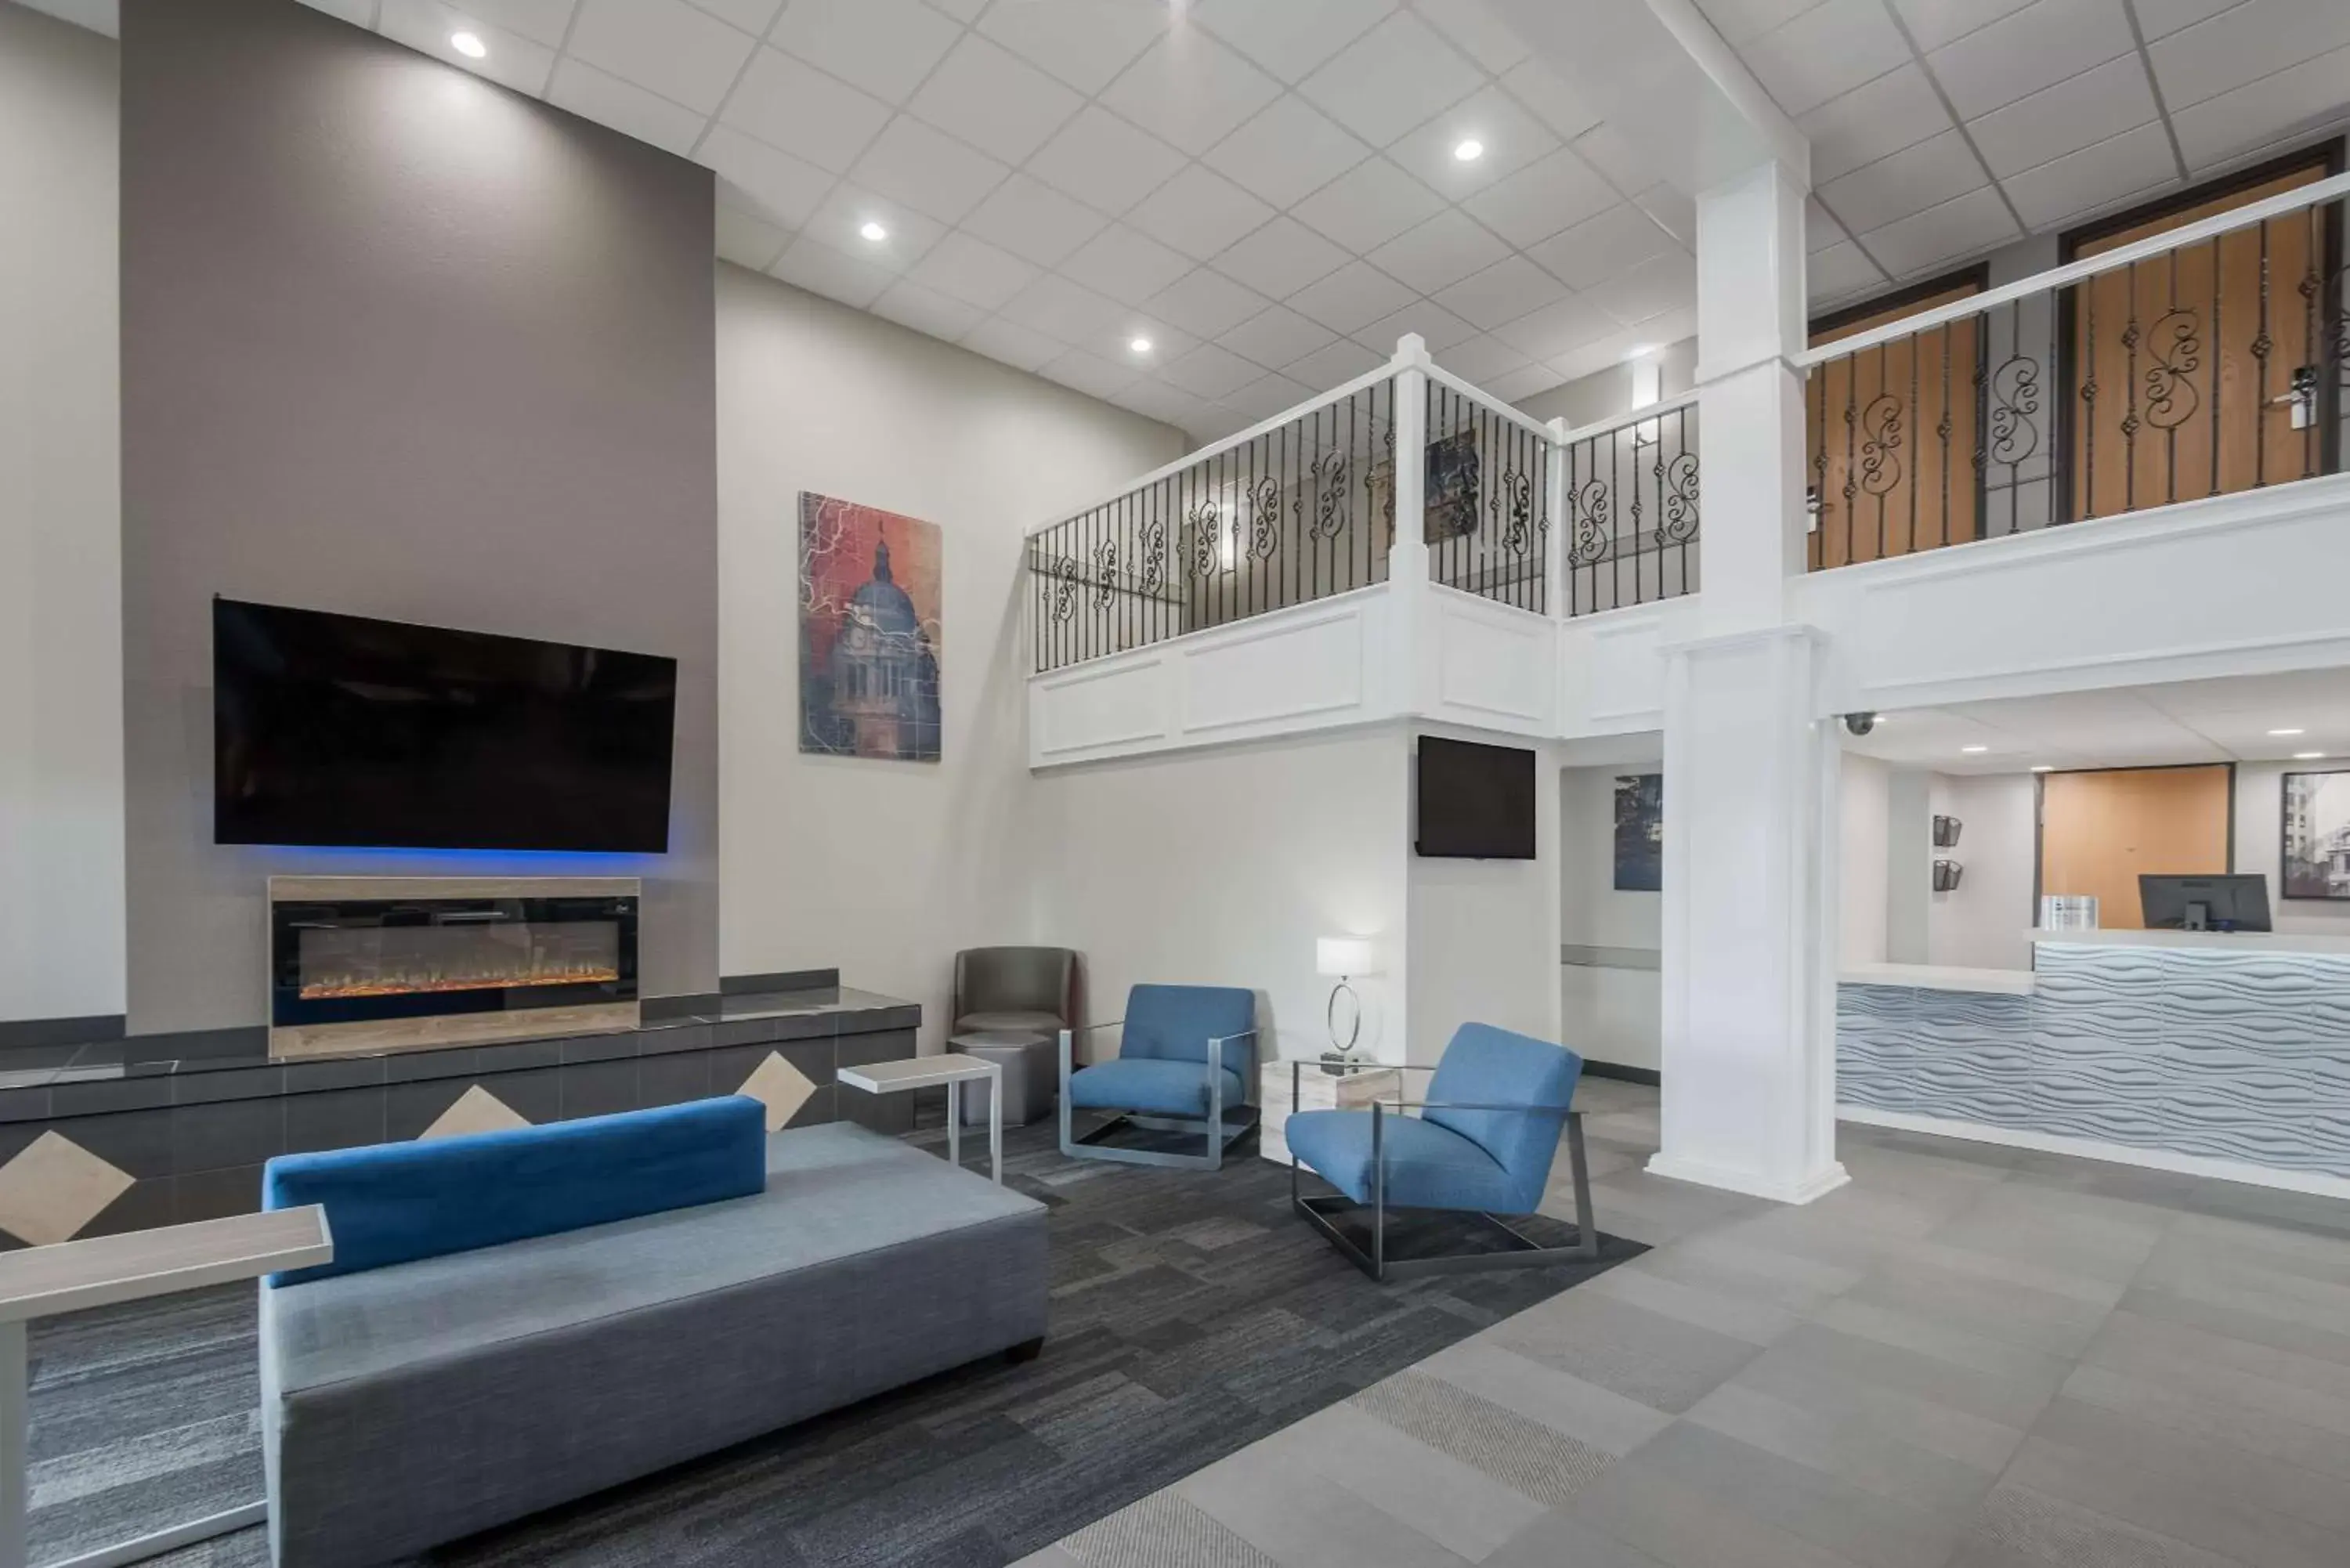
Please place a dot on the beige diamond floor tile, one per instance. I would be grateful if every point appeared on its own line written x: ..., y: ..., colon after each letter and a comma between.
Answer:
x: 55, y: 1187
x: 476, y: 1111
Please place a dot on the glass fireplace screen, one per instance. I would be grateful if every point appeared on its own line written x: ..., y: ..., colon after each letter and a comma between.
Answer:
x: 358, y: 960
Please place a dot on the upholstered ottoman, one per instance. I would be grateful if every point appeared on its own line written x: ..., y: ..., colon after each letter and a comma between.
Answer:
x: 1029, y: 1074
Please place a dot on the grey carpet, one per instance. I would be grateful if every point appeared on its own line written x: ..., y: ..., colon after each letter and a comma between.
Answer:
x: 1191, y: 1314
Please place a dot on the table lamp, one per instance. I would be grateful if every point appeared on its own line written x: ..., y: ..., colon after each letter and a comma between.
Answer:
x: 1344, y: 957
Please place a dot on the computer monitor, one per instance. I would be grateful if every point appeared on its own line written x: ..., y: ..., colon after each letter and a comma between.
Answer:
x: 2204, y: 903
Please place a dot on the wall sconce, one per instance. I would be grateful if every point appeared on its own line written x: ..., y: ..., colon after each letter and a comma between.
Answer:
x: 1344, y: 957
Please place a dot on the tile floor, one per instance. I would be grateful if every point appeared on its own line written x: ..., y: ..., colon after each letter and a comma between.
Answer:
x: 1970, y: 1358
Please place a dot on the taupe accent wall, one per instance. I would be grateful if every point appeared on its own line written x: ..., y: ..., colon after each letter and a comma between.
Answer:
x: 396, y: 343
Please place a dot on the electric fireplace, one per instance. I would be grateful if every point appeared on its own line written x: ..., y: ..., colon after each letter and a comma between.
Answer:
x: 401, y: 963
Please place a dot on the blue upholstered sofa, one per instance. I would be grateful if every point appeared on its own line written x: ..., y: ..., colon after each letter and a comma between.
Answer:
x: 517, y: 1318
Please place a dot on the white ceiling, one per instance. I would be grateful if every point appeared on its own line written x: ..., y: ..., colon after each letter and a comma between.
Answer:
x: 2185, y: 721
x: 1944, y: 128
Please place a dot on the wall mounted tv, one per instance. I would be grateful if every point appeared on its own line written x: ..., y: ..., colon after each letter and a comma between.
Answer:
x: 1476, y: 803
x: 338, y: 730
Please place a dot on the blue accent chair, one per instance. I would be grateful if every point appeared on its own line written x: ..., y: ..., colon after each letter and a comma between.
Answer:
x: 1186, y: 1062
x: 1483, y: 1144
x: 396, y: 1202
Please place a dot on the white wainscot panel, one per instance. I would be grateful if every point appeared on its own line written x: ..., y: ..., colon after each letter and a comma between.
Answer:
x: 1109, y: 709
x: 1612, y: 667
x: 2235, y: 585
x: 1495, y: 666
x: 1291, y: 671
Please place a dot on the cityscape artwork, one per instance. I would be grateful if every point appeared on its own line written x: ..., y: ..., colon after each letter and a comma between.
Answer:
x: 2317, y: 836
x: 869, y: 631
x: 1641, y: 832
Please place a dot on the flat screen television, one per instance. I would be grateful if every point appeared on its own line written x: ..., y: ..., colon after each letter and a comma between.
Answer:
x: 1476, y: 803
x: 339, y: 729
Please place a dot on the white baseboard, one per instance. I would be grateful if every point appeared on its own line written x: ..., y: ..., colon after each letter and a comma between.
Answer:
x: 1734, y: 1178
x: 2307, y: 1182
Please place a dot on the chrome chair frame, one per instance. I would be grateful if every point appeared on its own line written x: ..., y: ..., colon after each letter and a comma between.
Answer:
x: 1218, y: 1133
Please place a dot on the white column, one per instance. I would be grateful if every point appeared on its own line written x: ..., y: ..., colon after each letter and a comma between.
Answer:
x: 1752, y: 836
x: 1407, y: 560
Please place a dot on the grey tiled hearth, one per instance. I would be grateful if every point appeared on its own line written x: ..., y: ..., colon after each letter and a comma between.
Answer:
x: 99, y: 1149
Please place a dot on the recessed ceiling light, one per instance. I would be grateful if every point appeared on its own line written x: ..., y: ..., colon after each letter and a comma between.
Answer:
x: 1139, y: 345
x: 2307, y: 757
x: 2044, y: 767
x: 874, y: 231
x: 1974, y: 748
x: 469, y: 45
x: 1640, y: 350
x: 2288, y: 732
x: 1467, y: 150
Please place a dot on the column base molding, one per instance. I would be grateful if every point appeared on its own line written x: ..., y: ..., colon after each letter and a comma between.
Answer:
x: 1736, y: 1179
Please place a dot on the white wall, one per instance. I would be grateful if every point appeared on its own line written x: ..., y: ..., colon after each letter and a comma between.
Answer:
x: 2260, y: 849
x: 1222, y: 866
x: 1981, y: 925
x: 61, y: 883
x: 1864, y: 862
x: 884, y: 870
x: 1610, y: 1010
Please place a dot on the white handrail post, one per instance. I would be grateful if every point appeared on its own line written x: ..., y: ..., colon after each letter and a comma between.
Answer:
x: 1559, y: 540
x: 1408, y: 593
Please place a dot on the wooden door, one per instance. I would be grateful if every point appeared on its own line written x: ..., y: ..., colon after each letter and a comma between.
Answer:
x: 2177, y: 362
x: 1891, y: 433
x: 2099, y: 831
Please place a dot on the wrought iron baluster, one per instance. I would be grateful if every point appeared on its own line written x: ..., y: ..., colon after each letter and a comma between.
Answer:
x: 2310, y: 283
x: 1942, y: 428
x: 2215, y: 378
x: 2089, y: 406
x: 2129, y: 414
x: 2261, y: 346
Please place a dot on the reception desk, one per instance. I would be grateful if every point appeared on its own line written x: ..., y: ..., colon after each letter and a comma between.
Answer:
x: 2226, y: 1053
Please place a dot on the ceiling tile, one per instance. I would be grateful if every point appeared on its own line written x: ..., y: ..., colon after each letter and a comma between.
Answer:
x: 1503, y: 292
x: 1277, y: 336
x: 2098, y: 104
x: 1840, y: 272
x: 839, y: 222
x: 1516, y: 385
x: 927, y: 310
x: 2253, y: 115
x: 1198, y: 212
x: 995, y: 100
x: 1351, y: 298
x: 1439, y: 253
x: 625, y: 107
x: 1369, y: 205
x: 105, y: 17
x: 1480, y: 358
x: 1536, y: 202
x: 753, y: 17
x: 884, y: 46
x: 788, y: 104
x: 1286, y: 153
x: 1154, y: 398
x: 1542, y: 93
x: 1012, y: 344
x: 963, y: 11
x: 1874, y: 120
x: 1269, y: 395
x: 748, y: 240
x: 1740, y: 20
x: 1190, y: 90
x: 2160, y: 19
x: 1334, y: 366
x: 1667, y: 282
x: 513, y: 61
x: 823, y: 270
x: 1033, y: 222
x: 1438, y: 328
x: 1940, y: 236
x: 1825, y: 52
x: 2096, y: 176
x: 2244, y: 45
x: 1626, y: 164
x: 1555, y: 328
x: 2044, y: 44
x: 1127, y: 266
x: 1391, y: 79
x: 1208, y: 371
x: 1090, y: 373
x: 1281, y: 258
x: 1477, y: 29
x: 775, y: 185
x: 1105, y: 162
x: 540, y: 21
x: 1933, y: 23
x: 688, y: 57
x: 1599, y: 248
x: 1911, y: 181
x: 1085, y: 43
x: 1206, y: 304
x: 1068, y: 311
x: 973, y: 271
x: 1674, y: 212
x: 1821, y: 229
x: 927, y: 169
x: 1290, y: 38
x: 1512, y: 139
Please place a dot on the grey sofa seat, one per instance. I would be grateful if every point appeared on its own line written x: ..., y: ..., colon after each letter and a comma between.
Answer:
x: 1011, y: 1021
x: 408, y: 1406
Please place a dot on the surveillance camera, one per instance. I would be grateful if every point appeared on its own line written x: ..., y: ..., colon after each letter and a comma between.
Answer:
x: 1860, y: 724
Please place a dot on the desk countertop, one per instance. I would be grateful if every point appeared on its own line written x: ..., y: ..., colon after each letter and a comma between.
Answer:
x: 2222, y: 942
x: 1941, y: 976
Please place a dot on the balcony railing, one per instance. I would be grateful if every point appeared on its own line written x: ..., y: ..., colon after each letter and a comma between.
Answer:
x: 1486, y: 501
x: 2203, y: 361
x: 1632, y: 508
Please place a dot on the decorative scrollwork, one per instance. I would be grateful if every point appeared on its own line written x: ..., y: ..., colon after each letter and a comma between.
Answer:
x: 1105, y: 574
x: 1207, y: 539
x: 1327, y: 473
x: 1880, y: 454
x: 1590, y: 508
x: 1066, y: 578
x: 1677, y: 519
x: 2014, y: 399
x: 1513, y: 507
x: 1264, y: 518
x: 1154, y: 556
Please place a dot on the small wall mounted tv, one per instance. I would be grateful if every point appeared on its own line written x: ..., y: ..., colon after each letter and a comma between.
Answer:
x: 340, y: 729
x: 1476, y: 803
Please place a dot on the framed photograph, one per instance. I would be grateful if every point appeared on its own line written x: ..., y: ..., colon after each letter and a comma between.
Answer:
x: 2316, y: 859
x: 1641, y: 832
x: 869, y: 633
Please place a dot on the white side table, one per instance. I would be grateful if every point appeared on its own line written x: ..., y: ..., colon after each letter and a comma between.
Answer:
x: 913, y: 1072
x: 1317, y: 1090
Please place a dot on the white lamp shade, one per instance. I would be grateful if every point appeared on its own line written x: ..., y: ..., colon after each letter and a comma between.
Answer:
x: 1345, y: 955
